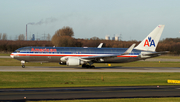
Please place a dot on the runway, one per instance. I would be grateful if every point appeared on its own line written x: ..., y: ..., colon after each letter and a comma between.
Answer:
x: 151, y: 59
x: 79, y: 69
x: 89, y: 93
x: 5, y: 57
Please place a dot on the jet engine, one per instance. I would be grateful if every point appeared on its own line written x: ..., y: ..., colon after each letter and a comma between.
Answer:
x: 74, y: 61
x: 62, y: 63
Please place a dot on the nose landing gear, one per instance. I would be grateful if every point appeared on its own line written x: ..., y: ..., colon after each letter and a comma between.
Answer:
x: 22, y: 63
x: 23, y: 66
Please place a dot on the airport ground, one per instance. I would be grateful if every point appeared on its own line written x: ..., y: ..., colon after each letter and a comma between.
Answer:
x: 135, y: 75
x: 106, y: 68
x: 82, y: 93
x: 162, y: 61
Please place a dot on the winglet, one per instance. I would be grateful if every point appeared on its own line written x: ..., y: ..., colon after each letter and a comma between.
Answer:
x: 100, y: 45
x: 151, y: 41
x: 129, y: 50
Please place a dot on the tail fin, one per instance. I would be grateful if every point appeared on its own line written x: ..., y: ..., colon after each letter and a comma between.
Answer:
x: 151, y: 41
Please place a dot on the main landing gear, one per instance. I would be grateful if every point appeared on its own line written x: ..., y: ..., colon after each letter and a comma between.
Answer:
x: 22, y: 63
x: 88, y: 66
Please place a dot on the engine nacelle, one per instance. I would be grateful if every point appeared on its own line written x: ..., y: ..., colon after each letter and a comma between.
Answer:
x: 74, y: 61
x: 62, y: 63
x: 63, y: 59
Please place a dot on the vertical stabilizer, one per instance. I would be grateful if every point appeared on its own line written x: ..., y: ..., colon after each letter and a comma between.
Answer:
x: 151, y: 41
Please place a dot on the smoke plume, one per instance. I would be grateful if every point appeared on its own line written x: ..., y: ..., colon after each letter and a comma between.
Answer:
x: 46, y: 21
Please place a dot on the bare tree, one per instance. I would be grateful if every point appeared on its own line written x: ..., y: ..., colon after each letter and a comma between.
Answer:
x: 4, y: 37
x: 63, y: 41
x: 94, y: 38
x: 21, y: 37
x: 65, y: 31
x: 94, y: 41
x: 63, y: 37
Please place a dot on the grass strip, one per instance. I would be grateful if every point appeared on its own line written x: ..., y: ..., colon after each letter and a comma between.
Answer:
x: 82, y: 79
x: 120, y: 100
x: 13, y: 62
x: 169, y: 57
x: 5, y: 54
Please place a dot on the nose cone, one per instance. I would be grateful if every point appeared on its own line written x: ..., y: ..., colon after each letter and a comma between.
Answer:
x: 12, y: 55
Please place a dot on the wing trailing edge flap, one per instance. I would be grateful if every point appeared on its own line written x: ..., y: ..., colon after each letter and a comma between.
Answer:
x: 129, y: 50
x: 156, y: 53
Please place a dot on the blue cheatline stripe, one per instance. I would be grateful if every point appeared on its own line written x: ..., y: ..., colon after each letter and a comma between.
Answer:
x: 72, y: 53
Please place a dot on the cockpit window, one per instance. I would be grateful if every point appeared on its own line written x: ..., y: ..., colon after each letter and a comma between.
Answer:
x: 17, y: 51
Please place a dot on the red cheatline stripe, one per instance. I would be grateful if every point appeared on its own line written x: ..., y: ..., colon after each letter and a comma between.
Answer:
x: 127, y: 56
x: 47, y: 55
x: 66, y: 55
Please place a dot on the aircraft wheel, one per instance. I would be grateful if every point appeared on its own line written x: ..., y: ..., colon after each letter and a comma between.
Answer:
x: 83, y: 66
x: 93, y: 66
x: 87, y: 66
x: 23, y: 66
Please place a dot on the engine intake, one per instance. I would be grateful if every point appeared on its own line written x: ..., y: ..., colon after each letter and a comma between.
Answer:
x: 62, y: 63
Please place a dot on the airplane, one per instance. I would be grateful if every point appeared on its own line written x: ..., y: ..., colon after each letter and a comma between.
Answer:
x: 86, y: 56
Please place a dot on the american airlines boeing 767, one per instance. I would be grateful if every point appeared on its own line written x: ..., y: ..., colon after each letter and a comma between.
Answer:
x: 74, y: 56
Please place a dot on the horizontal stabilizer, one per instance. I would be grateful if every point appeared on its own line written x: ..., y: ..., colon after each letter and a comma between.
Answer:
x: 156, y: 53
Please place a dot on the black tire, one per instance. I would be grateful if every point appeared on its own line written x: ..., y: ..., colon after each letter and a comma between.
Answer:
x: 87, y: 66
x: 23, y: 66
x: 93, y: 66
x: 83, y: 66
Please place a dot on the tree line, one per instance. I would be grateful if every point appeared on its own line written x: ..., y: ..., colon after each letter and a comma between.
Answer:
x: 10, y: 46
x: 22, y: 37
x: 64, y: 38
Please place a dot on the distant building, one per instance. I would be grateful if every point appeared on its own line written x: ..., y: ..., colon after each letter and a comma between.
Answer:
x: 33, y: 37
x: 117, y: 38
x: 107, y: 37
x: 113, y: 38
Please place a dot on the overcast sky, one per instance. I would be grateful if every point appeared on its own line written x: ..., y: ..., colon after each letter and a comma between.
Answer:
x: 133, y: 19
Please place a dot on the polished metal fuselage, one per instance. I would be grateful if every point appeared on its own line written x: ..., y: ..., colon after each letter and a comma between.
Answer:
x: 54, y: 54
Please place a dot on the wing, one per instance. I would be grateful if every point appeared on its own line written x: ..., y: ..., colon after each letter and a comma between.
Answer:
x: 91, y: 58
x: 100, y: 45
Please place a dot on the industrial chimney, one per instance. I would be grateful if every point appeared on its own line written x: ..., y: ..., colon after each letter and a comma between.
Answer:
x: 26, y: 31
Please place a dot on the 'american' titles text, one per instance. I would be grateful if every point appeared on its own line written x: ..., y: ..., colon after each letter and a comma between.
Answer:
x: 43, y: 50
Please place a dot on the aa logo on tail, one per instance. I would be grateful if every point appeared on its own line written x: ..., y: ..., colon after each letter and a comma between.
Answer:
x: 149, y: 42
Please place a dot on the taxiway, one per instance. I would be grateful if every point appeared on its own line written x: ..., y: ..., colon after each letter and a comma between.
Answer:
x: 79, y: 69
x: 89, y: 93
